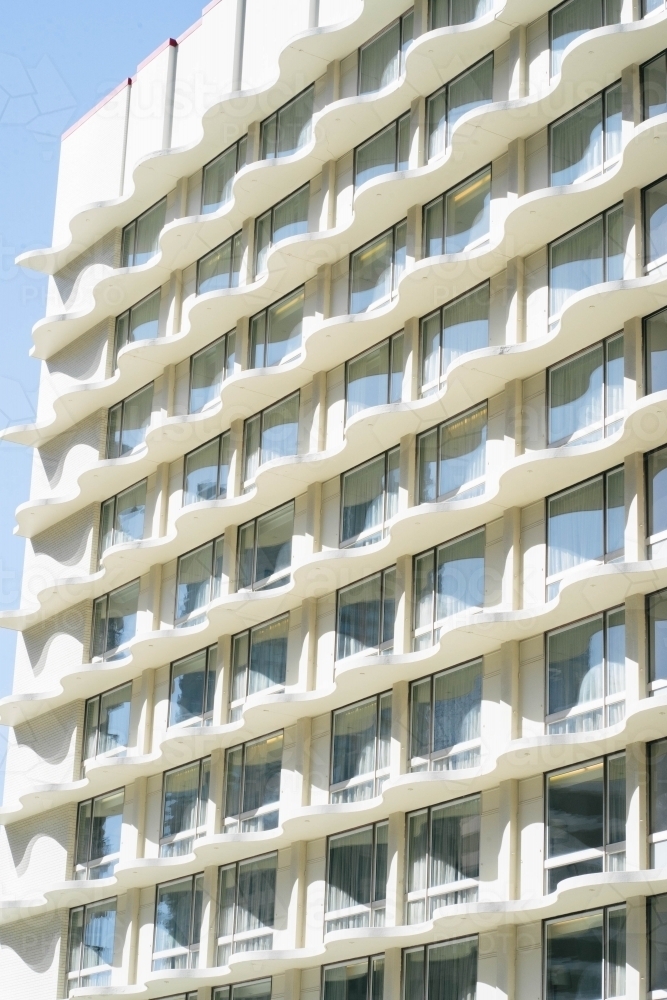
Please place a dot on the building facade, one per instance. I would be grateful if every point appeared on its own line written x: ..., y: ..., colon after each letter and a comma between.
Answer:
x: 342, y: 657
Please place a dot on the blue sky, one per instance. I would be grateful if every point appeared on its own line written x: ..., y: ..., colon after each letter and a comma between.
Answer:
x: 57, y: 59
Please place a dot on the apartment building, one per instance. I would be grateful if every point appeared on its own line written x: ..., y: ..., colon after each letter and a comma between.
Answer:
x: 342, y: 656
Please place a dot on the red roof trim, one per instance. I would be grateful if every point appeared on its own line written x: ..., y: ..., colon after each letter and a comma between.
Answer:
x: 170, y: 43
x: 100, y: 104
x: 210, y: 6
x: 189, y: 31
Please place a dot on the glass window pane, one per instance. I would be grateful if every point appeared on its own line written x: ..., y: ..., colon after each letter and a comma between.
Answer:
x: 657, y: 606
x: 576, y: 396
x: 122, y: 620
x: 655, y: 346
x: 616, y: 805
x: 616, y: 961
x: 83, y: 827
x: 468, y: 212
x: 658, y: 786
x: 613, y: 122
x: 403, y: 150
x: 460, y: 575
x: 568, y: 22
x: 396, y: 379
x: 201, y: 473
x: 263, y: 763
x: 233, y: 781
x: 615, y: 401
x: 577, y: 143
x: 246, y: 555
x: 368, y: 379
x: 349, y: 870
x: 614, y: 249
x: 130, y: 512
x: 654, y: 87
x: 427, y: 445
x: 359, y: 617
x: 181, y: 792
x: 251, y: 446
x: 455, y: 832
x: 268, y: 655
x: 294, y: 123
x: 379, y: 60
x: 457, y: 702
x: 470, y: 90
x: 655, y: 221
x: 144, y: 318
x: 149, y: 226
x: 284, y: 321
x: 465, y: 325
x: 413, y: 974
x: 114, y: 425
x: 616, y: 651
x: 127, y: 248
x: 363, y: 500
x: 107, y: 518
x: 90, y: 729
x: 353, y: 742
x: 417, y: 850
x: 657, y: 927
x: 615, y: 540
x: 274, y: 543
x: 436, y: 117
x: 420, y: 718
x: 114, y: 723
x: 376, y: 156
x: 136, y: 418
x: 188, y: 679
x: 574, y: 958
x: 269, y: 135
x: 575, y: 816
x: 193, y: 583
x: 107, y: 822
x: 575, y: 663
x: 280, y: 429
x: 215, y: 271
x: 575, y: 262
x: 218, y: 179
x: 98, y: 936
x: 431, y: 333
x: 290, y: 217
x: 434, y: 226
x: 206, y: 374
x: 371, y: 273
x: 452, y: 970
x: 462, y: 451
x: 575, y: 528
x: 173, y: 915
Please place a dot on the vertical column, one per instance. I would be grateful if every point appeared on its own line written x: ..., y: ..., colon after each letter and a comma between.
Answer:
x: 175, y: 295
x: 144, y: 731
x: 411, y: 375
x: 511, y: 580
x: 296, y: 905
x: 510, y: 718
x: 207, y: 941
x: 515, y: 297
x: 392, y: 974
x: 408, y: 486
x: 229, y: 559
x: 631, y: 100
x: 239, y: 33
x: 403, y: 624
x: 636, y: 848
x: 414, y: 235
x: 223, y: 671
x: 308, y: 657
x: 302, y: 763
x: 518, y: 82
x: 400, y: 728
x: 633, y: 367
x: 318, y: 433
x: 635, y: 506
x: 313, y: 537
x: 636, y: 653
x: 636, y: 949
x: 155, y: 596
x: 395, y: 870
x: 235, y: 477
x: 420, y: 18
x: 633, y: 236
x: 418, y: 153
x: 508, y: 822
x: 328, y: 213
x: 516, y: 168
x: 506, y: 963
x: 130, y: 951
x: 215, y: 816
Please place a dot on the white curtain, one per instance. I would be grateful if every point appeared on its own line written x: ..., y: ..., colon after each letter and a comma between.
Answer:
x: 468, y: 212
x: 290, y: 217
x: 575, y: 262
x: 462, y: 451
x: 568, y: 21
x: 218, y: 178
x: 577, y: 143
x: 575, y: 528
x: 576, y: 657
x: 379, y: 60
x: 280, y: 429
x: 359, y: 614
x: 576, y: 395
x: 368, y: 379
x: 349, y: 870
x: 465, y: 325
x: 376, y: 156
x: 284, y: 321
x: 452, y: 971
x: 354, y: 737
x: 256, y: 894
x: 470, y: 90
x: 149, y: 226
x: 457, y: 702
x: 460, y: 575
x: 454, y: 842
x: 363, y: 499
x: 193, y: 584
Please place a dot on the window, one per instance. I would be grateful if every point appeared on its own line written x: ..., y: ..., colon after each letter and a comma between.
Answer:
x: 366, y: 615
x: 198, y: 579
x: 586, y: 674
x: 655, y: 224
x: 362, y: 979
x: 657, y: 937
x: 271, y: 434
x: 585, y: 524
x: 138, y: 323
x: 220, y: 268
x: 114, y: 620
x: 209, y: 368
x: 122, y: 518
x: 443, y: 857
x: 360, y: 748
x: 464, y: 93
x: 455, y: 329
x: 357, y: 878
x: 98, y: 826
x: 259, y: 662
x: 386, y: 151
x: 459, y: 219
x: 445, y: 719
x: 206, y: 471
x: 585, y: 955
x: 585, y: 820
x: 369, y: 499
x: 276, y: 332
x: 654, y: 86
x: 128, y: 422
x: 178, y: 913
x: 375, y: 377
x: 376, y: 269
x: 192, y: 688
x: 452, y: 458
x: 655, y: 351
x: 450, y: 964
x: 657, y: 772
x: 246, y: 906
x: 139, y: 241
x: 586, y: 394
x: 219, y: 174
x: 185, y: 793
x: 259, y: 989
x: 252, y: 790
x: 289, y: 128
x: 265, y: 550
x: 382, y: 60
x: 90, y: 945
x: 447, y: 580
x: 574, y: 17
x: 587, y: 256
x: 443, y: 13
x: 106, y: 727
x: 656, y: 608
x: 656, y: 495
x: 587, y: 140
x: 288, y: 218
